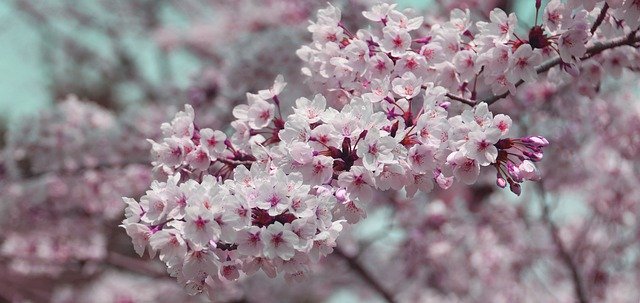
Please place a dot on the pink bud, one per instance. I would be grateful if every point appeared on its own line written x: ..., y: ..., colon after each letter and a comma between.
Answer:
x: 228, y: 144
x: 501, y: 182
x: 536, y: 140
x: 424, y: 40
x: 514, y: 172
x: 534, y: 156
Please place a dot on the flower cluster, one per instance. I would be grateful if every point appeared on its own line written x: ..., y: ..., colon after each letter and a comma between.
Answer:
x: 515, y: 161
x: 274, y: 192
x: 468, y: 59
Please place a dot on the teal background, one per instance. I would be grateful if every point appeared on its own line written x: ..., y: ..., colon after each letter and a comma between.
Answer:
x: 22, y: 82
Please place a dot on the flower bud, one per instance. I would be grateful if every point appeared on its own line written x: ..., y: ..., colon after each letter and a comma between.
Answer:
x: 514, y: 172
x: 423, y: 40
x: 515, y: 188
x: 362, y: 134
x: 536, y: 140
x: 534, y: 156
x: 501, y: 182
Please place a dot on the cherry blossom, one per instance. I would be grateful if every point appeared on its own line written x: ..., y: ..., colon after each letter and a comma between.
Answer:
x: 412, y: 123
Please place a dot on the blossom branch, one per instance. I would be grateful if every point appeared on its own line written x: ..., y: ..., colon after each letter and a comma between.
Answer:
x: 364, y: 274
x: 631, y: 39
x: 603, y: 13
x: 591, y: 51
x: 461, y: 99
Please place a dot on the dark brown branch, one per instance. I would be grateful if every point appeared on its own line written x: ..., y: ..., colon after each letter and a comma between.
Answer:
x: 563, y: 252
x: 596, y: 49
x: 364, y: 274
x: 591, y: 51
x: 603, y: 13
x: 569, y: 263
x: 461, y: 99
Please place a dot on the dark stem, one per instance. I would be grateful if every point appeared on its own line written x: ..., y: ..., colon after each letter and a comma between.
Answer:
x: 563, y: 252
x: 364, y: 274
x: 603, y: 13
x: 631, y: 39
x: 461, y: 99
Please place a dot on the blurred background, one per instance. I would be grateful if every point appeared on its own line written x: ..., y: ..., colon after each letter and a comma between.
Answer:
x: 68, y: 160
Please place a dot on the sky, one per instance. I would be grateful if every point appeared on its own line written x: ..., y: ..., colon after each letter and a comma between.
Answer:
x: 22, y: 84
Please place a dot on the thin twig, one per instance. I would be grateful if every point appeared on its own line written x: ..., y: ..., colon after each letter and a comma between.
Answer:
x: 603, y: 13
x: 591, y: 51
x: 364, y: 274
x: 461, y: 99
x: 567, y: 259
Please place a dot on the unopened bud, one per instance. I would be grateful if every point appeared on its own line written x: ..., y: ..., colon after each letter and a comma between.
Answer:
x: 501, y: 182
x: 228, y: 144
x: 362, y: 134
x: 394, y: 129
x: 535, y: 141
x: 514, y: 172
x: 534, y: 156
x: 424, y: 40
x: 515, y: 188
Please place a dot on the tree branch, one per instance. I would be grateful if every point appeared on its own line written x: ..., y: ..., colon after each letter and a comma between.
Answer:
x: 563, y: 252
x: 603, y: 13
x: 364, y: 274
x: 591, y: 51
x: 461, y: 99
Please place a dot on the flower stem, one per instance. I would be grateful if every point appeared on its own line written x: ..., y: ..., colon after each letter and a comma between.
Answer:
x: 364, y: 274
x: 596, y: 49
